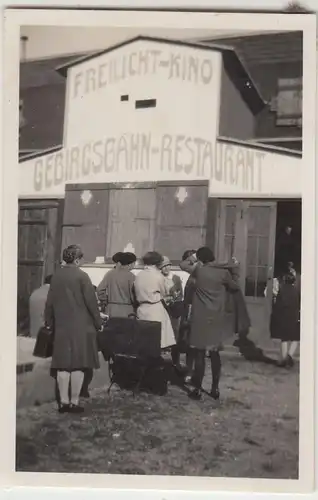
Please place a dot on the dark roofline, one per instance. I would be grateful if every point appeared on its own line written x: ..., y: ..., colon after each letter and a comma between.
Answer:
x: 253, y: 96
x: 261, y: 147
x: 38, y: 154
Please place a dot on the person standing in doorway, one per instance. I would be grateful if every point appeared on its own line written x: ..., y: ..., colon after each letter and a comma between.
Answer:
x: 286, y: 251
x: 37, y: 303
x: 72, y: 313
x: 211, y: 322
x: 285, y: 319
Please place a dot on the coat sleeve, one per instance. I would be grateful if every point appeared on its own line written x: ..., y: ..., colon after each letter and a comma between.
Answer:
x: 102, y: 291
x: 229, y: 282
x: 91, y: 300
x: 48, y: 311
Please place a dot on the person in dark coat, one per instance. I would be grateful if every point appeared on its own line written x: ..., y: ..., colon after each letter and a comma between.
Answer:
x: 211, y: 318
x: 72, y: 313
x: 287, y: 250
x: 116, y: 290
x: 285, y: 318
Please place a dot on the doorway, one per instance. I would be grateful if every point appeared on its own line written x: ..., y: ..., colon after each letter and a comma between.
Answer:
x: 251, y: 231
x: 289, y: 214
x: 247, y: 231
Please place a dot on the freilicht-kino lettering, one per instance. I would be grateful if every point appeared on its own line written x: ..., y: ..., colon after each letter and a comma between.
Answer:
x: 165, y: 156
x: 172, y: 65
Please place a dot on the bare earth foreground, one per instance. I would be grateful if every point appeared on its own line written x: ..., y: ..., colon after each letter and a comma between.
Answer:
x: 252, y: 432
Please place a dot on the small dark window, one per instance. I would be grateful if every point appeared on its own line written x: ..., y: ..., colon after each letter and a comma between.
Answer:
x: 146, y: 103
x: 124, y: 98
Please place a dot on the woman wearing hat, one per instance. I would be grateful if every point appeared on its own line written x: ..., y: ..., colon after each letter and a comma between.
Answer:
x: 173, y: 301
x: 116, y: 290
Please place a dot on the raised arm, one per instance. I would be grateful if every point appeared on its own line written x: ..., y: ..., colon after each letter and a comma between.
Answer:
x: 229, y: 282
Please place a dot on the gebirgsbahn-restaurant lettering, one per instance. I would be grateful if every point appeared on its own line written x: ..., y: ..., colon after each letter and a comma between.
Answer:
x: 172, y: 65
x: 159, y: 158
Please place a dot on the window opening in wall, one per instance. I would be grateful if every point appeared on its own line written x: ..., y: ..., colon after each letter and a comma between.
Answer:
x: 146, y: 103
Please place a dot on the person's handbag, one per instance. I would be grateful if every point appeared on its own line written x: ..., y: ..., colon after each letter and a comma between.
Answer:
x: 44, y: 343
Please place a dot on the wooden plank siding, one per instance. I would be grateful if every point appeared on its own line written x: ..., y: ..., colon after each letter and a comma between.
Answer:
x: 167, y: 216
x: 39, y: 240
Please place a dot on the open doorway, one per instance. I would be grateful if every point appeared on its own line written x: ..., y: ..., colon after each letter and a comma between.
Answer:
x: 288, y: 235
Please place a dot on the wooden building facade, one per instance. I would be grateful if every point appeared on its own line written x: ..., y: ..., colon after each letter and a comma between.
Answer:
x: 165, y: 160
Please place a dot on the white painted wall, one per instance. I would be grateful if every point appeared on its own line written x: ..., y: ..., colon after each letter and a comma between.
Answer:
x: 96, y: 273
x: 107, y: 140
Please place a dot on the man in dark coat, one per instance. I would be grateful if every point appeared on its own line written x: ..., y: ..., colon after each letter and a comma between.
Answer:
x: 73, y: 314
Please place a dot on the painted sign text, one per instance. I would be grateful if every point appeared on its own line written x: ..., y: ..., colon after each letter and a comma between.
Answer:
x: 173, y: 65
x: 164, y: 157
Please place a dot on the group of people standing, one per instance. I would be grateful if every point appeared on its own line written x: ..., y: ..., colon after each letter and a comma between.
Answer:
x: 199, y: 317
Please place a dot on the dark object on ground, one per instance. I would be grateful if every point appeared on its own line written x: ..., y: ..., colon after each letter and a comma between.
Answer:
x: 150, y: 375
x: 131, y: 337
x: 44, y: 343
x: 250, y: 352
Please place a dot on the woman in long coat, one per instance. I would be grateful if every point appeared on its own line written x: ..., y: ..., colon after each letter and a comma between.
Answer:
x: 211, y: 318
x: 116, y: 290
x: 73, y: 314
x: 150, y: 291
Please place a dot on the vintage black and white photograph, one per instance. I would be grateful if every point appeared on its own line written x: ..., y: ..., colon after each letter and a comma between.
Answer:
x: 160, y: 248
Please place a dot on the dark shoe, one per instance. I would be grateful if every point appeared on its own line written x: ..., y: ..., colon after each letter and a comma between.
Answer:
x: 75, y: 409
x: 85, y: 394
x: 289, y: 361
x: 215, y: 393
x: 64, y: 408
x: 282, y: 363
x: 195, y: 394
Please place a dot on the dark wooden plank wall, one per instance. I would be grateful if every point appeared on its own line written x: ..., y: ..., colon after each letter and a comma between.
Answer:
x: 147, y: 217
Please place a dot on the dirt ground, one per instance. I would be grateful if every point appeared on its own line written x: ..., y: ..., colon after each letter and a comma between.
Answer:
x: 251, y: 432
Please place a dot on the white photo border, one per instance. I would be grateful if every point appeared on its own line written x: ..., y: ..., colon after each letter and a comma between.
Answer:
x: 14, y: 18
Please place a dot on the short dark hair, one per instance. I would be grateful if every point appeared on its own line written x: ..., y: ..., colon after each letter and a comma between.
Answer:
x: 188, y: 254
x: 152, y: 259
x: 205, y: 255
x: 48, y: 279
x: 127, y: 258
x: 116, y: 257
x: 71, y: 253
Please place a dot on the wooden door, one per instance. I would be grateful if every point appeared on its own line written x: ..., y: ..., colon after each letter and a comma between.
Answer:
x: 228, y: 240
x: 258, y: 255
x: 131, y: 220
x: 39, y: 241
x: 247, y: 231
x: 181, y: 217
x: 85, y: 220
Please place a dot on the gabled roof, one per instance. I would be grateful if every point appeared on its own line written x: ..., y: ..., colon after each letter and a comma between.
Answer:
x: 232, y: 63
